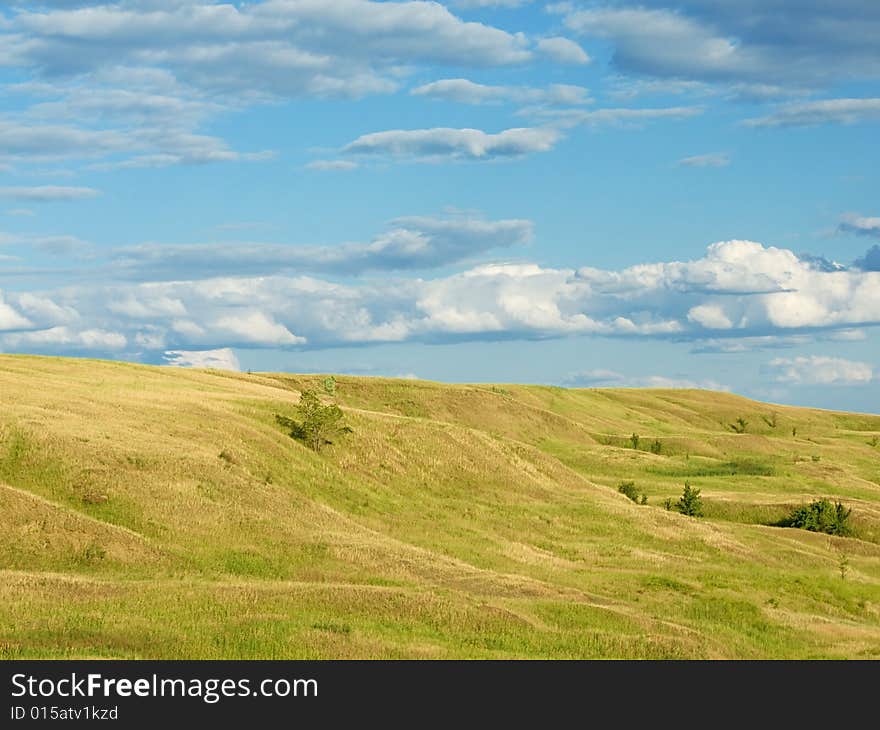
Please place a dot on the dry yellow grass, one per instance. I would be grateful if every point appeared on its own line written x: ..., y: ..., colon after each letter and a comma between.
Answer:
x: 160, y: 512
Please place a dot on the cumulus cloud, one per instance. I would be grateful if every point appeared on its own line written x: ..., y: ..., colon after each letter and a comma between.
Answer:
x: 445, y: 143
x: 739, y: 290
x: 47, y: 193
x: 413, y: 242
x: 708, y: 160
x: 826, y: 111
x: 820, y: 370
x: 221, y: 359
x: 468, y: 92
x: 562, y: 50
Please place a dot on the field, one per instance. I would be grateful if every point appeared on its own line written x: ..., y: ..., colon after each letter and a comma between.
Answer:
x: 151, y: 512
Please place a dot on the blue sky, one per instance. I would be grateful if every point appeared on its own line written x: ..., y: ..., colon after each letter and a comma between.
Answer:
x: 613, y: 193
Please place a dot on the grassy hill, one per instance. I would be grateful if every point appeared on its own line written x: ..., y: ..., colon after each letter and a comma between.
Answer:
x: 159, y: 512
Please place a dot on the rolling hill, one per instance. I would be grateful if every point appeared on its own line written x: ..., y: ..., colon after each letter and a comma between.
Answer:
x: 155, y: 512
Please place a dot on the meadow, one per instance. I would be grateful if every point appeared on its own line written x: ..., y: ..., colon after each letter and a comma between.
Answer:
x: 157, y: 512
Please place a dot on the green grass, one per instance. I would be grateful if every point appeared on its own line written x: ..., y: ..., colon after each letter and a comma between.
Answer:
x: 159, y: 512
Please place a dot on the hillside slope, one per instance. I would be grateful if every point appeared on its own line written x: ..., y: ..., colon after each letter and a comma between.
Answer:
x: 161, y: 512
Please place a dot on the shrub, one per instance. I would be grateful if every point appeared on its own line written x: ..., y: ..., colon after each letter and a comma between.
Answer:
x: 318, y: 423
x: 634, y: 440
x: 690, y: 503
x: 329, y: 385
x: 820, y: 515
x: 739, y: 425
x: 656, y: 447
x: 771, y: 420
x: 629, y: 489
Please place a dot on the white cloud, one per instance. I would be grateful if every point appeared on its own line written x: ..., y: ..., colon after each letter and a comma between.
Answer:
x: 860, y: 225
x: 710, y: 316
x: 11, y: 319
x: 562, y: 50
x: 255, y: 328
x: 615, y: 116
x: 48, y: 193
x: 601, y: 378
x: 221, y: 359
x: 63, y: 245
x: 468, y: 92
x: 826, y: 111
x: 467, y: 4
x: 64, y: 338
x: 664, y: 43
x: 708, y: 160
x: 739, y: 292
x: 820, y: 370
x: 756, y: 42
x: 444, y: 143
x: 278, y: 47
x: 332, y: 165
x: 409, y: 243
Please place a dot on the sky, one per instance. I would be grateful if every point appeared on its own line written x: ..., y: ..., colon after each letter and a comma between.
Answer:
x: 585, y: 194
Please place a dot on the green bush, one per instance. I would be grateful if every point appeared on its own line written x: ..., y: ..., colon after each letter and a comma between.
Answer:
x: 318, y: 423
x: 690, y: 503
x: 820, y: 515
x: 656, y: 446
x: 629, y: 489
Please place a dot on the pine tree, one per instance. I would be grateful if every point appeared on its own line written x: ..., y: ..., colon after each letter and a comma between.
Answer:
x: 690, y: 503
x: 318, y: 423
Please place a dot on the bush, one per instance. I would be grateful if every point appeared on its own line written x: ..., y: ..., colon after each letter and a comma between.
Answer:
x: 329, y: 385
x: 656, y: 447
x: 740, y: 425
x: 634, y: 440
x: 690, y: 503
x: 629, y: 489
x: 820, y: 516
x: 318, y: 423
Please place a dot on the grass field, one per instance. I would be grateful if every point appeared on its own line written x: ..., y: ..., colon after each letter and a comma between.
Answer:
x: 151, y: 512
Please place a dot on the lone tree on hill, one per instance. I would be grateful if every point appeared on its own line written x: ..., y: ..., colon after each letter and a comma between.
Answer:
x: 318, y: 423
x: 690, y: 503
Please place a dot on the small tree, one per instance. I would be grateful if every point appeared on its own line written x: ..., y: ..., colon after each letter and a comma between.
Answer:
x: 656, y: 446
x: 634, y: 440
x: 329, y: 385
x: 318, y: 423
x: 690, y: 503
x: 740, y: 425
x: 771, y: 420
